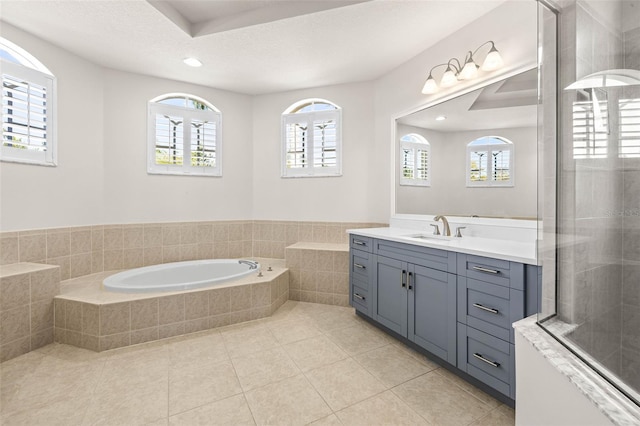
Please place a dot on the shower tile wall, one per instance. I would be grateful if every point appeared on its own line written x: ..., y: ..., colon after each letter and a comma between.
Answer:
x: 599, y: 202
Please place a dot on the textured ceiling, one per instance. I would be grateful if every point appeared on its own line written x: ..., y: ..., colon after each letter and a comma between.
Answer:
x: 358, y: 42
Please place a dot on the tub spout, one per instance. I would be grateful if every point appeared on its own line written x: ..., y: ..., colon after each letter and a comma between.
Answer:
x: 251, y: 263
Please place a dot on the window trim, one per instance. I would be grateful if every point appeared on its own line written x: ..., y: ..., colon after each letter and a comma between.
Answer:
x: 289, y: 117
x: 490, y: 147
x: 48, y: 158
x: 415, y: 146
x: 186, y: 169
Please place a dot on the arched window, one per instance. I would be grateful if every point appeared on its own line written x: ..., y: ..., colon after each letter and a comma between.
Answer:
x: 184, y: 136
x: 311, y: 139
x: 28, y: 108
x: 415, y: 160
x: 490, y: 162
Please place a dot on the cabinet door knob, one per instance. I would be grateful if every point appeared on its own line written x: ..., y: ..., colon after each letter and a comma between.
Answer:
x: 483, y: 359
x: 484, y: 308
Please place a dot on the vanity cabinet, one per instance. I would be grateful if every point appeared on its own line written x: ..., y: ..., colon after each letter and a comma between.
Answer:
x: 414, y: 295
x: 456, y: 306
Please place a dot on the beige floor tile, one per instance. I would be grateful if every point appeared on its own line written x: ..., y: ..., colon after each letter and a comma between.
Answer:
x: 497, y: 417
x: 262, y: 368
x: 344, y: 383
x: 383, y: 409
x: 392, y: 366
x: 292, y: 331
x: 63, y: 412
x: 440, y: 401
x: 331, y: 420
x: 202, y: 349
x: 463, y: 384
x: 358, y: 338
x: 248, y: 340
x: 230, y: 411
x: 132, y: 368
x: 334, y: 319
x: 315, y: 352
x: 291, y: 401
x: 118, y: 405
x: 194, y: 386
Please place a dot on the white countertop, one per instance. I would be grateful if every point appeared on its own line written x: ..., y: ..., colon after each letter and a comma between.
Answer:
x: 515, y: 251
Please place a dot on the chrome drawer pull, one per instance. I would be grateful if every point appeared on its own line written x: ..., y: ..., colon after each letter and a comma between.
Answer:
x: 357, y: 265
x: 402, y: 278
x: 360, y: 243
x: 491, y: 363
x: 357, y: 296
x: 484, y: 308
x: 488, y: 271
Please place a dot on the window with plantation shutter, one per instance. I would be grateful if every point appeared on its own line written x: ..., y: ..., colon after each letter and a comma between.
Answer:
x: 490, y: 162
x: 184, y: 136
x: 311, y: 139
x: 415, y: 160
x: 28, y: 100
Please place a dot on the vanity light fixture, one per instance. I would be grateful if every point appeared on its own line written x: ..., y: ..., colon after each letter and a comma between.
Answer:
x: 192, y: 62
x: 456, y: 71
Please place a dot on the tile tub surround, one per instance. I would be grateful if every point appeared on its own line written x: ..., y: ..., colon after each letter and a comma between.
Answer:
x: 319, y: 273
x: 285, y: 369
x: 85, y: 250
x: 26, y: 307
x: 89, y: 317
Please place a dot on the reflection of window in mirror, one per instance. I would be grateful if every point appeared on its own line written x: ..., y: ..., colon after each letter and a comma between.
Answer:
x: 490, y: 162
x: 629, y: 119
x: 415, y: 160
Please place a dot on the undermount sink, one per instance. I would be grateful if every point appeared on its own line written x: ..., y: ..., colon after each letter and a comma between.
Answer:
x: 430, y: 238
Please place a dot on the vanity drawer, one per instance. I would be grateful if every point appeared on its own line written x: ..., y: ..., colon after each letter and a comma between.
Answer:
x: 489, y: 307
x: 360, y: 297
x: 361, y: 243
x: 360, y: 264
x: 496, y: 271
x: 428, y: 257
x: 487, y: 358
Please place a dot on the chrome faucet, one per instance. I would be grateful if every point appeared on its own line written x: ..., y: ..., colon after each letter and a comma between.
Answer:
x: 445, y: 225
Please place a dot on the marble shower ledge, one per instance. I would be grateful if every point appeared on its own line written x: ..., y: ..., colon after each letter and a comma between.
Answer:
x: 613, y: 404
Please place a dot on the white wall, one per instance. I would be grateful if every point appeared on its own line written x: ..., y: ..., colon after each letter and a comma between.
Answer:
x: 132, y: 195
x: 342, y: 198
x: 449, y: 194
x: 47, y: 197
x: 513, y: 28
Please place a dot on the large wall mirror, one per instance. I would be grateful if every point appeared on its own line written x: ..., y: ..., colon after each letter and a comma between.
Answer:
x: 472, y: 155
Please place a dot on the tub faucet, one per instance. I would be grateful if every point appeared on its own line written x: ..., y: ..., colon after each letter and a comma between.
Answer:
x: 445, y: 225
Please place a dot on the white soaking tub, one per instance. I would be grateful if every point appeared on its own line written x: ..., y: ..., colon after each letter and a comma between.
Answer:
x: 179, y: 275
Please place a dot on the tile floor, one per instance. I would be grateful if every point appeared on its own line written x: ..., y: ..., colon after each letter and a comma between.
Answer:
x: 308, y: 363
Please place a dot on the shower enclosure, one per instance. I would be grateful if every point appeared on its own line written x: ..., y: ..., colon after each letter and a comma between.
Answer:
x: 590, y: 298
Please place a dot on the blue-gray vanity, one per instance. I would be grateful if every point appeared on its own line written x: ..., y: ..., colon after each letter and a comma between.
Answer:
x: 455, y: 307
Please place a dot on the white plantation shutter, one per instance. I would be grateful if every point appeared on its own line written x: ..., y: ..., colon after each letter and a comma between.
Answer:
x: 629, y: 128
x: 589, y: 130
x: 312, y: 143
x: 184, y: 140
x: 27, y: 115
x: 415, y: 160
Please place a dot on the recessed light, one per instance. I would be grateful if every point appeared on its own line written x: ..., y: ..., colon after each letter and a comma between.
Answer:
x: 440, y: 118
x: 192, y: 62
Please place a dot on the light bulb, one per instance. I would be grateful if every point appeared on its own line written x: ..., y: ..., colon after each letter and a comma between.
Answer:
x: 470, y: 70
x: 493, y: 61
x: 430, y: 86
x: 448, y: 78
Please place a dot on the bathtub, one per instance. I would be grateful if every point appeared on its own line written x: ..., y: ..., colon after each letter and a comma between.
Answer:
x: 179, y: 275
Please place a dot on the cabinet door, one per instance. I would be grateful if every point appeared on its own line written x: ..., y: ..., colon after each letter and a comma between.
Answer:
x: 432, y: 311
x: 390, y: 294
